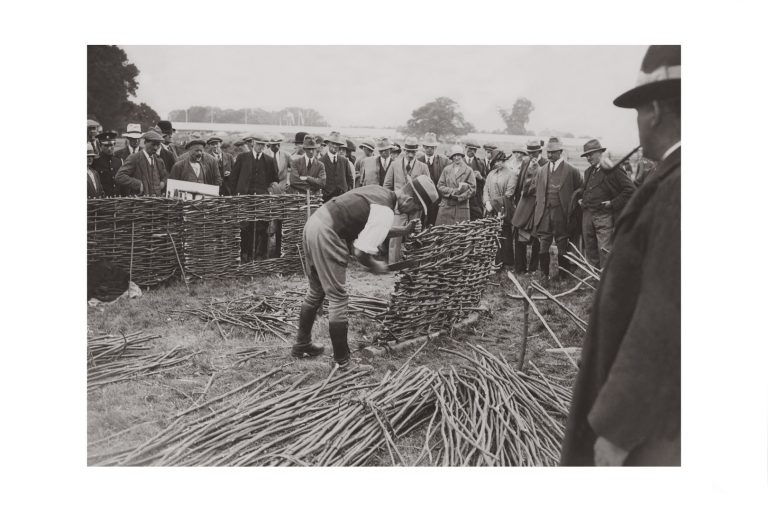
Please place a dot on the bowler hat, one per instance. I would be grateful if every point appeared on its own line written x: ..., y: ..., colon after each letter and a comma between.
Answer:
x: 411, y: 144
x: 533, y: 146
x: 309, y: 142
x: 214, y: 139
x: 383, y: 144
x: 351, y: 146
x: 132, y: 131
x: 152, y: 136
x: 456, y: 149
x: 659, y: 77
x: 430, y: 139
x: 194, y: 142
x: 335, y: 138
x: 367, y: 143
x: 166, y: 127
x: 425, y: 191
x: 299, y: 137
x: 592, y: 146
x: 554, y: 144
x: 107, y: 137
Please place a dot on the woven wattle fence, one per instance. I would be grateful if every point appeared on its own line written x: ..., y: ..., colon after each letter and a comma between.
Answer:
x: 139, y: 234
x: 457, y: 261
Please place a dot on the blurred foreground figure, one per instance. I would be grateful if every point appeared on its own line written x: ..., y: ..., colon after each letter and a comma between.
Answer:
x: 626, y: 401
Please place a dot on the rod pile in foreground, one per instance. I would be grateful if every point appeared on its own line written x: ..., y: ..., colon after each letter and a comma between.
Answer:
x: 482, y: 413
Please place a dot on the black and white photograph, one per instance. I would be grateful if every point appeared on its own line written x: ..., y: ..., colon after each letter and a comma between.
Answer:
x: 397, y: 256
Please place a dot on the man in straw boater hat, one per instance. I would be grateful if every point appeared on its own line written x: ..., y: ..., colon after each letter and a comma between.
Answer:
x: 364, y: 216
x: 132, y: 136
x: 457, y: 187
x: 254, y: 172
x: 367, y: 146
x: 626, y: 400
x: 525, y: 206
x: 307, y: 172
x: 143, y: 173
x: 338, y: 174
x: 436, y: 162
x: 400, y: 174
x: 556, y: 184
x: 604, y: 196
x: 194, y: 168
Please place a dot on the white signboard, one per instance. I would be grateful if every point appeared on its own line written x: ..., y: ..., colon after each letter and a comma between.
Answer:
x: 178, y: 189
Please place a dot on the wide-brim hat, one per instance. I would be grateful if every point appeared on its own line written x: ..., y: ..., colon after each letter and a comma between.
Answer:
x: 194, y: 142
x: 532, y: 146
x: 456, y: 149
x: 592, y: 146
x: 309, y: 142
x: 166, y: 127
x: 369, y: 144
x: 383, y: 144
x: 411, y: 144
x: 520, y: 149
x: 299, y: 137
x: 258, y: 138
x: 335, y: 138
x: 430, y: 139
x: 425, y: 191
x: 211, y: 140
x: 659, y: 78
x: 275, y: 138
x: 554, y: 144
x: 351, y: 147
x: 132, y: 131
x: 152, y: 136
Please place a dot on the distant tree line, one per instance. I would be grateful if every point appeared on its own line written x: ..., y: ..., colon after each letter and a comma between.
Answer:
x: 291, y: 116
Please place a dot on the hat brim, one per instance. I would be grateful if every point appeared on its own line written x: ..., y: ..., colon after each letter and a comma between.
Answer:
x: 131, y: 135
x: 592, y: 151
x: 411, y: 148
x: 649, y: 92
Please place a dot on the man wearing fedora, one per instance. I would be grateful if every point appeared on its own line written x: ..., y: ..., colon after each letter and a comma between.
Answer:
x: 605, y: 194
x: 436, y: 162
x: 307, y: 172
x: 480, y: 170
x: 224, y: 162
x: 626, y: 401
x: 522, y: 219
x: 107, y: 164
x: 95, y: 190
x: 132, y: 137
x: 254, y: 172
x: 338, y: 175
x: 193, y: 167
x: 368, y: 147
x: 556, y: 184
x: 456, y: 187
x: 363, y: 216
x: 375, y: 168
x: 167, y: 151
x: 401, y: 173
x: 143, y: 173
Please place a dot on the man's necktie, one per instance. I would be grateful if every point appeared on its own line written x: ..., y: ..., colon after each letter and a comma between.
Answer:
x: 408, y: 167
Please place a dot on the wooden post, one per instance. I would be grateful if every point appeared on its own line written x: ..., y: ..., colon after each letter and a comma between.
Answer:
x: 526, y: 307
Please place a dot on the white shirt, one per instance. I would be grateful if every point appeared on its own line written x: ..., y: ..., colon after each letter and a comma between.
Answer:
x: 380, y: 220
x: 149, y: 158
x: 556, y: 163
x: 385, y: 163
x: 195, y: 167
x: 255, y: 154
x: 333, y: 157
x: 671, y: 150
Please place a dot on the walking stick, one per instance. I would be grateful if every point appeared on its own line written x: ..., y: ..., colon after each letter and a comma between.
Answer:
x: 308, y: 210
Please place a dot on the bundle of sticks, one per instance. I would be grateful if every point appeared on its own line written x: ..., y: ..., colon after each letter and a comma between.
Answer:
x: 118, y: 358
x: 365, y: 305
x: 483, y: 413
x: 138, y: 234
x: 455, y: 262
x: 582, y: 263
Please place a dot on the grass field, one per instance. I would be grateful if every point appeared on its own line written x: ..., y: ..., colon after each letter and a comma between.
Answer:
x: 123, y: 415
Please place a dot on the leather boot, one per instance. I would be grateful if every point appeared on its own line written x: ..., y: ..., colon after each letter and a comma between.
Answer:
x: 534, y: 263
x: 338, y: 332
x: 544, y: 264
x: 304, y: 343
x: 520, y: 257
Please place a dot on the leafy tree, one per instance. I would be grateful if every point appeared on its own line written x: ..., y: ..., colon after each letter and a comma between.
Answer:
x: 518, y: 116
x: 439, y: 116
x: 141, y: 113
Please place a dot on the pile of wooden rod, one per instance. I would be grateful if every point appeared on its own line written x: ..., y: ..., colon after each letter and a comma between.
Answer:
x: 482, y: 413
x: 118, y: 358
x: 456, y: 261
x: 138, y: 234
x: 582, y: 263
x: 153, y: 238
x: 489, y: 414
x: 365, y: 305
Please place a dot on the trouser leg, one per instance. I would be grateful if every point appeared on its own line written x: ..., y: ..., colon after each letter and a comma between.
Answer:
x: 535, y: 248
x: 521, y: 257
x: 312, y: 303
x: 507, y: 246
x: 545, y: 242
x: 603, y: 224
x: 590, y: 238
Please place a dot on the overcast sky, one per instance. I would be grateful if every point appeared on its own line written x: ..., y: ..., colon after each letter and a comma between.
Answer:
x: 572, y: 87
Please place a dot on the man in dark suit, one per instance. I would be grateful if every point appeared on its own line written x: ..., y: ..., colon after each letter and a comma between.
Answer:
x: 338, y: 173
x: 107, y: 164
x: 132, y: 136
x: 307, y: 173
x: 435, y: 163
x: 144, y: 173
x: 254, y: 172
x: 480, y: 170
x: 605, y: 194
x: 555, y: 187
x: 626, y: 401
x: 167, y: 152
x: 224, y: 163
x: 525, y: 206
x: 94, y: 183
x: 192, y: 167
